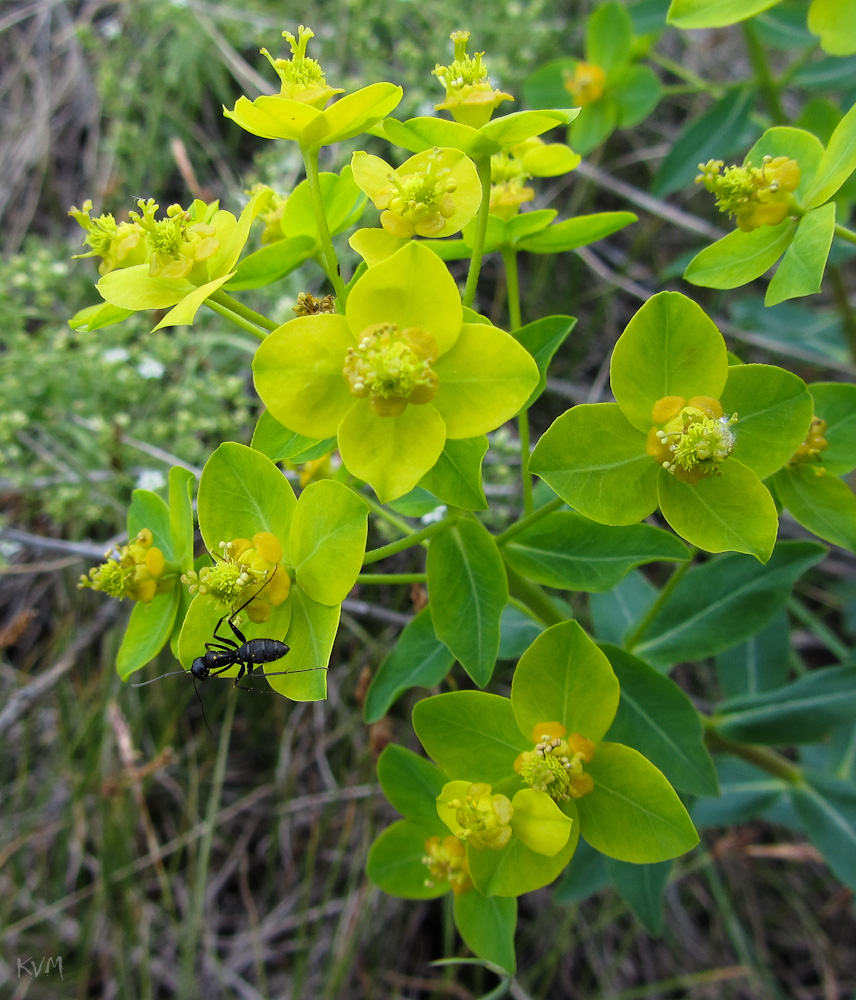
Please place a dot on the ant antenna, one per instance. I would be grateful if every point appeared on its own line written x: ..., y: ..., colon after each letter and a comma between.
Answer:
x: 202, y: 706
x: 171, y: 673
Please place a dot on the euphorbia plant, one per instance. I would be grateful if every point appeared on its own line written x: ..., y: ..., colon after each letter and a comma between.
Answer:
x: 384, y: 388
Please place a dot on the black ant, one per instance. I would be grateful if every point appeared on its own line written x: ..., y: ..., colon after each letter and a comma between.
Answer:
x: 222, y: 652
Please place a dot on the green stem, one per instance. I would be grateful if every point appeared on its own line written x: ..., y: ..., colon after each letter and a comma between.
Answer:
x: 375, y: 555
x: 763, y: 757
x: 535, y: 598
x: 310, y: 161
x: 193, y: 925
x: 842, y: 232
x: 525, y: 478
x: 483, y: 165
x: 512, y: 282
x: 387, y: 515
x: 225, y: 299
x: 392, y: 578
x: 676, y: 577
x: 815, y: 625
x: 528, y: 521
x: 682, y: 73
x: 763, y: 75
x: 239, y: 321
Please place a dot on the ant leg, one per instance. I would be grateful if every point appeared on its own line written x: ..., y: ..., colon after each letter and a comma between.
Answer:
x: 222, y: 645
x: 231, y: 618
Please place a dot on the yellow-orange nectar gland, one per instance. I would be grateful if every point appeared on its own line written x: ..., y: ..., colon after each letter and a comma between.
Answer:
x: 446, y: 861
x: 175, y: 243
x: 242, y: 566
x: 418, y: 203
x: 695, y: 439
x: 136, y: 572
x: 302, y: 78
x: 555, y: 766
x: 483, y: 818
x: 815, y: 442
x: 392, y: 368
x: 755, y: 196
x: 586, y: 83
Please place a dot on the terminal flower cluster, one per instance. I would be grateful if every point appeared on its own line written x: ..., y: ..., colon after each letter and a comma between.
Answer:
x: 137, y: 571
x: 555, y: 766
x: 585, y: 84
x: 754, y: 196
x: 302, y: 78
x: 810, y: 451
x: 694, y: 438
x: 118, y: 244
x: 446, y: 861
x: 470, y: 97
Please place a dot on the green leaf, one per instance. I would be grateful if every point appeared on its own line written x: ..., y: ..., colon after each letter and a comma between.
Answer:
x: 837, y: 164
x: 718, y: 133
x: 181, y: 516
x: 759, y: 664
x: 279, y: 443
x: 563, y: 677
x: 714, y: 13
x: 133, y: 289
x: 595, y: 124
x: 456, y: 478
x: 739, y: 257
x: 418, y: 134
x: 595, y: 460
x: 241, y: 493
x: 641, y: 887
x: 745, y: 794
x: 545, y: 88
x: 636, y: 91
x: 328, y: 540
x: 310, y: 635
x: 351, y: 115
x: 522, y: 125
x: 516, y: 868
x: 411, y: 783
x: 585, y: 875
x: 395, y: 860
x: 418, y: 659
x: 827, y: 807
x: 729, y: 512
x: 147, y: 633
x: 723, y: 602
x: 835, y: 402
x: 835, y: 22
x: 542, y: 339
x: 633, y: 814
x: 774, y: 412
x: 184, y: 312
x: 468, y: 591
x: 802, y: 267
x: 98, y: 316
x: 656, y: 718
x: 615, y: 612
x: 487, y: 926
x: 669, y: 348
x: 570, y: 552
x: 823, y: 504
x: 578, y: 232
x: 148, y: 510
x: 518, y: 630
x: 470, y: 734
x: 271, y: 262
x: 801, y: 712
x: 526, y: 223
x: 609, y: 36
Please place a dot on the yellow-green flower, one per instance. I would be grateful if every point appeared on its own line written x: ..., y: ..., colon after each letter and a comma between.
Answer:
x: 434, y: 193
x: 138, y: 571
x: 395, y: 376
x: 755, y: 196
x: 118, y: 244
x: 509, y: 171
x: 470, y: 98
x: 298, y: 111
x: 190, y: 253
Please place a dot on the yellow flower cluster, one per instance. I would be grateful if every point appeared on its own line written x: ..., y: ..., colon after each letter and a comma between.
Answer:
x: 484, y: 819
x: 555, y: 765
x: 755, y: 196
x: 136, y: 572
x: 694, y: 438
x: 446, y: 861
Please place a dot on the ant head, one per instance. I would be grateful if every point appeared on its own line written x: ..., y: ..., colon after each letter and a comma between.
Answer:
x: 200, y: 668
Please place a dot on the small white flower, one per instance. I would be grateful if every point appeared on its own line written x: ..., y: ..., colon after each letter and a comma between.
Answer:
x: 151, y: 479
x: 115, y: 356
x: 150, y: 368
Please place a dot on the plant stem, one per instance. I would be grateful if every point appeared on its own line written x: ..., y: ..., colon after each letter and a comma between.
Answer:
x: 768, y: 87
x: 534, y: 597
x: 310, y: 161
x: 763, y: 757
x: 193, y: 925
x: 387, y: 515
x: 528, y: 521
x: 844, y: 233
x: 682, y: 73
x: 512, y: 283
x: 225, y: 299
x: 525, y: 478
x: 392, y: 578
x: 483, y: 165
x: 633, y: 639
x: 375, y: 555
x: 835, y: 646
x: 235, y: 318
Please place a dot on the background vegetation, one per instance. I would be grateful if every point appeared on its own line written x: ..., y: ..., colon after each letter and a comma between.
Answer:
x: 134, y: 844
